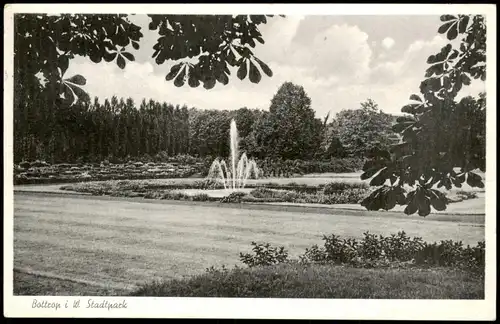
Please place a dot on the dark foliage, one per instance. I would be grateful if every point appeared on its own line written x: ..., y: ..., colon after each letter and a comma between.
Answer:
x: 377, y: 251
x: 264, y: 255
x: 233, y: 197
x: 443, y: 140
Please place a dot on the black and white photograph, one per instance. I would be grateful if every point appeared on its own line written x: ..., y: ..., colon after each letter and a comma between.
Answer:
x: 157, y: 156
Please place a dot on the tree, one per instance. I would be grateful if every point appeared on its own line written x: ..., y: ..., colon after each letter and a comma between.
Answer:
x: 209, y: 132
x: 255, y: 141
x: 290, y: 130
x: 443, y: 140
x: 361, y: 130
x: 49, y: 42
x: 331, y: 144
x: 245, y: 119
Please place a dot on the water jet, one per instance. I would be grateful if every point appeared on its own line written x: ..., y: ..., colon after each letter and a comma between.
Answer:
x: 240, y: 169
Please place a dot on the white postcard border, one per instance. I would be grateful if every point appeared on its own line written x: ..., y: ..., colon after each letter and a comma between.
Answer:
x: 170, y: 307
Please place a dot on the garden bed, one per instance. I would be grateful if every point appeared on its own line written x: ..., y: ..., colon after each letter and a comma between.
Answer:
x: 162, y: 167
x: 332, y: 193
x: 44, y: 173
x: 264, y: 192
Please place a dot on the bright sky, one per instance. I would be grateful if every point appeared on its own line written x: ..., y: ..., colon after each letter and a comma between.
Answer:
x: 339, y: 60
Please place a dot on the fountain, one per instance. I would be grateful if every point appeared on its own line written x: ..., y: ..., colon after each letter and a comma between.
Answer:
x: 240, y: 170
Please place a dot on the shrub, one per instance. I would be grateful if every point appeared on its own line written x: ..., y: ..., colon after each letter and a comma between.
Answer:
x: 370, y: 247
x: 161, y: 156
x: 474, y: 257
x: 200, y: 197
x: 184, y: 159
x: 216, y: 271
x: 38, y: 164
x: 251, y: 199
x: 174, y: 195
x: 157, y: 195
x: 345, y: 197
x: 130, y: 186
x: 281, y: 195
x: 264, y: 255
x: 314, y: 254
x: 335, y: 250
x: 397, y: 249
x: 290, y: 167
x: 262, y: 193
x: 400, y: 247
x: 340, y: 251
x: 145, y: 158
x: 335, y: 187
x: 25, y: 165
x: 350, y: 196
x: 449, y: 253
x: 233, y: 197
x: 461, y: 196
x: 208, y: 184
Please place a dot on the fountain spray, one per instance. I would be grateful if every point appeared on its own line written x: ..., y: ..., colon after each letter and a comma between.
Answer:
x: 241, y: 167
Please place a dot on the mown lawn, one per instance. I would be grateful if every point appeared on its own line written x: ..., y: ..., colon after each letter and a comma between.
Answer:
x: 124, y: 243
x: 29, y: 284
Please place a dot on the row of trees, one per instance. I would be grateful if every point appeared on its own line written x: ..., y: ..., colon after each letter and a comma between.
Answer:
x: 94, y: 131
x: 117, y: 128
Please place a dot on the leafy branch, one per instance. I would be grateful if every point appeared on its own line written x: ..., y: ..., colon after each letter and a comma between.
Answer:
x: 442, y: 140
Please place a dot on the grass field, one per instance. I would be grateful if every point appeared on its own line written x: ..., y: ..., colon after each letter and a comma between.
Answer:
x: 39, y: 284
x: 119, y: 243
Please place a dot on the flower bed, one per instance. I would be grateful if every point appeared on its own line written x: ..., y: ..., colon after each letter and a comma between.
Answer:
x: 43, y: 173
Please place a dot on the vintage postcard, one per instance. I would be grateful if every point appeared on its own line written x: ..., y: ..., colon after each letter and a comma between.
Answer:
x: 250, y: 161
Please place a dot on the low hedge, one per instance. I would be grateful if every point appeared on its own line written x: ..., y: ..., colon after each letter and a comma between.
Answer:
x: 374, y: 251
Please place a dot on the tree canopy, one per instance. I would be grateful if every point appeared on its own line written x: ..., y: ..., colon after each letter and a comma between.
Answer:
x: 364, y: 129
x: 443, y: 140
x: 290, y: 129
x: 45, y: 44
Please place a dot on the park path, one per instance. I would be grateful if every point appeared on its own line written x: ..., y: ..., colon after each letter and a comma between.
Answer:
x: 124, y: 242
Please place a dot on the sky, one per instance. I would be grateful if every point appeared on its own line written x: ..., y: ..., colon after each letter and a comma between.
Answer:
x: 340, y: 61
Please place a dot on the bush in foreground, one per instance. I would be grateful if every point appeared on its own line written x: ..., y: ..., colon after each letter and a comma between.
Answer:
x: 372, y: 251
x: 394, y: 267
